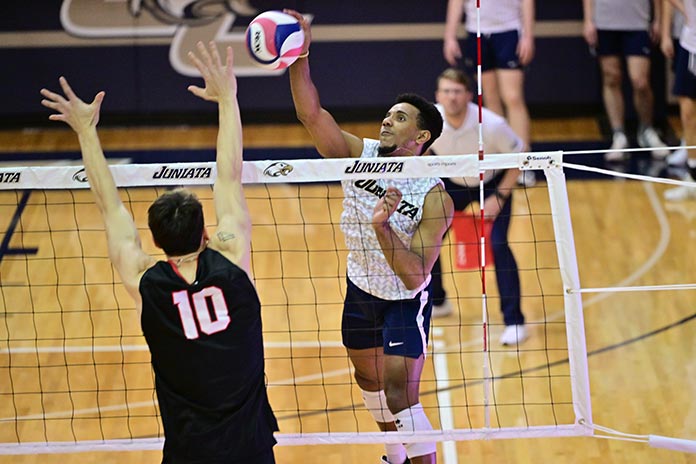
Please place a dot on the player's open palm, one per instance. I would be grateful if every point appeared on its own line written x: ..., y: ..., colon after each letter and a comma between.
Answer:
x: 71, y: 109
x: 220, y: 81
x: 386, y: 206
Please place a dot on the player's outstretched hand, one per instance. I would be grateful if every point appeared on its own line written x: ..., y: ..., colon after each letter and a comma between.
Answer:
x: 220, y: 81
x: 70, y: 109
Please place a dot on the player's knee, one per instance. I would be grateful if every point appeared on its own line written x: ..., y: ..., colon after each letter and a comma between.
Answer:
x: 397, y: 397
x: 366, y: 382
x: 611, y: 78
x: 641, y: 85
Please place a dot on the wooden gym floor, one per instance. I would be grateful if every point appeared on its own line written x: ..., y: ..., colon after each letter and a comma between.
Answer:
x: 641, y: 355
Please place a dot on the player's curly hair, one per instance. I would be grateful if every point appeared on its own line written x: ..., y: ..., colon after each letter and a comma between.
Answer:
x: 429, y: 118
x: 176, y: 222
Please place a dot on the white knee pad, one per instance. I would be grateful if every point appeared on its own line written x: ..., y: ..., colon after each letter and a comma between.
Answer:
x: 414, y: 419
x: 376, y: 403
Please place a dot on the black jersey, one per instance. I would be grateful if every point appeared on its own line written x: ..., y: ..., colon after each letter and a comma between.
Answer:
x: 207, y: 354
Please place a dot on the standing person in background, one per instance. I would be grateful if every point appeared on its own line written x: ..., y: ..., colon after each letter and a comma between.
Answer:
x: 460, y: 135
x: 622, y: 28
x: 672, y: 24
x: 394, y: 230
x: 507, y: 46
x: 685, y: 90
x: 199, y: 310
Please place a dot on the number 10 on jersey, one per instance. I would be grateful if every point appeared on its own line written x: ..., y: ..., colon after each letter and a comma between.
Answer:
x: 201, y: 311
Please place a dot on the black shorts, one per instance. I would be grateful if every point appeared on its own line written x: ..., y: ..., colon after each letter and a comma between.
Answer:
x: 498, y: 51
x: 401, y: 327
x: 684, y: 78
x: 623, y: 43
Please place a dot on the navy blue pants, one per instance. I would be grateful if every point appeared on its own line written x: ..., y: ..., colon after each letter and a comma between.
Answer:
x: 506, y: 271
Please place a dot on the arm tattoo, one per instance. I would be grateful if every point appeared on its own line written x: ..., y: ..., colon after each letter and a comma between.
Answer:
x: 225, y: 236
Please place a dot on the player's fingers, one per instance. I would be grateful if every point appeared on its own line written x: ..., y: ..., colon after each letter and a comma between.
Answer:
x: 67, y: 90
x: 215, y: 54
x: 98, y: 99
x: 230, y: 60
x: 52, y: 95
x: 50, y: 104
x: 198, y: 64
x: 204, y: 54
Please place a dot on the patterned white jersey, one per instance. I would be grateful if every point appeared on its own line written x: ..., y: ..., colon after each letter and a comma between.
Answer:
x: 367, y: 267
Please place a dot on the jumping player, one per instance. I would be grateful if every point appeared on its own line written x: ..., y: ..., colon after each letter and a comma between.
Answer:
x: 394, y: 232
x: 199, y: 309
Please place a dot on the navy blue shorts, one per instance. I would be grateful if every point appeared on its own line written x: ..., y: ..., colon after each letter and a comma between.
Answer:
x: 684, y: 80
x: 401, y: 327
x: 498, y: 51
x: 623, y: 43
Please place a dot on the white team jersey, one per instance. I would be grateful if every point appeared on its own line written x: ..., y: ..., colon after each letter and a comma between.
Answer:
x: 622, y: 15
x: 367, y: 267
x: 496, y: 16
x: 498, y: 137
x: 687, y: 39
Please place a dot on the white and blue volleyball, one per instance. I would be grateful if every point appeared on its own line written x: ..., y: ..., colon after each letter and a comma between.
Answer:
x: 274, y: 40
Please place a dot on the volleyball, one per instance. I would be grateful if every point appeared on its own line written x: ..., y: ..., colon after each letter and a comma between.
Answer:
x: 274, y: 40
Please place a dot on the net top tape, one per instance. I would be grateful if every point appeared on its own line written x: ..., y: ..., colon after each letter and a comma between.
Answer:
x: 274, y: 171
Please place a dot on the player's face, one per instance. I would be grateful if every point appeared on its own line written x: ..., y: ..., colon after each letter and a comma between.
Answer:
x: 453, y: 96
x: 400, y: 133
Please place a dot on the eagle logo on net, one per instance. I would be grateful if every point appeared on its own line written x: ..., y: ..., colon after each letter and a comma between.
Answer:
x: 80, y: 176
x: 278, y: 169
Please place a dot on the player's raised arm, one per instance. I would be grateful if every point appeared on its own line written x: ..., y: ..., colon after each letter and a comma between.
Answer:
x: 123, y: 240
x: 233, y: 234
x: 330, y: 140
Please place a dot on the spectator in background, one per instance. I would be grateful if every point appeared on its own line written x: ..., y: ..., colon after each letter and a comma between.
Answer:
x: 507, y: 46
x: 460, y: 135
x: 672, y: 23
x: 685, y: 90
x: 622, y: 28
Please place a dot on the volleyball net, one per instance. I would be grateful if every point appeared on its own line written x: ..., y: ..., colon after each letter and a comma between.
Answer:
x: 75, y: 372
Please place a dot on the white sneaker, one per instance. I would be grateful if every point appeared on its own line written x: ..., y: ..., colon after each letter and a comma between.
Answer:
x: 526, y: 178
x: 678, y: 157
x: 513, y: 335
x: 619, y: 142
x: 681, y: 193
x: 384, y: 460
x: 648, y: 138
x: 442, y: 310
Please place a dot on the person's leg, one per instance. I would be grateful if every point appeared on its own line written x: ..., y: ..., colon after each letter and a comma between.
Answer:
x: 489, y: 82
x: 685, y: 90
x: 511, y: 84
x: 687, y: 111
x: 402, y: 383
x: 638, y: 68
x: 405, y: 334
x: 612, y: 75
x: 491, y: 93
x: 361, y: 329
x: 636, y: 46
x: 612, y: 95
